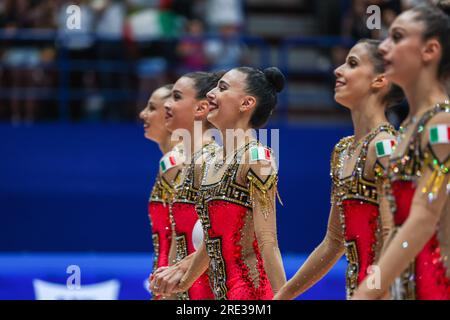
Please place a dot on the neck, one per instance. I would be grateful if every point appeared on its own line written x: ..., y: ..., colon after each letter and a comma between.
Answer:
x: 199, y: 137
x: 424, y: 93
x: 232, y: 142
x: 166, y: 144
x: 367, y: 116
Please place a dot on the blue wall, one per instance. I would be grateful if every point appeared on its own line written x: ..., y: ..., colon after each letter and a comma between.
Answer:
x: 81, y: 187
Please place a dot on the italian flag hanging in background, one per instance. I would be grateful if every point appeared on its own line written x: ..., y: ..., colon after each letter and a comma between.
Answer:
x: 440, y: 134
x: 145, y: 24
x: 385, y: 147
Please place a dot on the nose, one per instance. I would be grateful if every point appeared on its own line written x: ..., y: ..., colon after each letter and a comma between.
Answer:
x: 210, y: 95
x: 167, y: 105
x: 143, y: 114
x: 338, y: 72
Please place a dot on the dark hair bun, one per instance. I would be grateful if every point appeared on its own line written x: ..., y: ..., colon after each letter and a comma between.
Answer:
x: 275, y: 78
x: 444, y: 5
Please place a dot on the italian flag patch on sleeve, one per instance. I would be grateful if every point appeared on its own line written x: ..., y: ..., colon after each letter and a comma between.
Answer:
x: 167, y: 162
x: 440, y: 134
x: 259, y: 153
x: 385, y: 147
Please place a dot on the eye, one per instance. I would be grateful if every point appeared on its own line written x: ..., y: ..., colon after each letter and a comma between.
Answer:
x: 396, y: 36
x: 352, y: 64
x: 176, y: 96
x: 222, y: 88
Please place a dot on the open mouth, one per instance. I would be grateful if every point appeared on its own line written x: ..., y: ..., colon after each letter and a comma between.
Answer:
x: 213, y: 106
x: 168, y: 115
x: 146, y: 125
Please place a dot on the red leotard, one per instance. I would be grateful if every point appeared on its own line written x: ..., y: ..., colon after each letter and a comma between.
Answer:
x: 427, y: 277
x: 236, y: 266
x: 357, y: 201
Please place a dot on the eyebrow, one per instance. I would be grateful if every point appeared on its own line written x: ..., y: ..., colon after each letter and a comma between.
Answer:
x: 223, y: 82
x: 353, y: 57
x: 397, y: 29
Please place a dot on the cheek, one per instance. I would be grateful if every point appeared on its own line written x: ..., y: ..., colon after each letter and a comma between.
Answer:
x: 161, y: 115
x: 183, y: 113
x: 357, y: 81
x: 187, y: 111
x: 408, y: 52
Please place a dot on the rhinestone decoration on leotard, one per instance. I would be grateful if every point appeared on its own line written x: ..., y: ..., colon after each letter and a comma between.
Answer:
x: 184, y: 216
x: 219, y: 197
x: 355, y: 193
x: 425, y: 277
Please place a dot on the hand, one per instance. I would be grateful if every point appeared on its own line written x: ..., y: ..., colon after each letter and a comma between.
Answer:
x: 165, y: 281
x: 151, y: 278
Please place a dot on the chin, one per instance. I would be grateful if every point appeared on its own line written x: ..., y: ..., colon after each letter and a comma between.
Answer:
x: 169, y: 125
x: 338, y: 98
x: 396, y: 78
x: 150, y: 138
x: 341, y: 101
x: 210, y: 117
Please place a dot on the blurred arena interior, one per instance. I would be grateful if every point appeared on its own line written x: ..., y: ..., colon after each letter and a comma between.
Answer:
x: 75, y: 169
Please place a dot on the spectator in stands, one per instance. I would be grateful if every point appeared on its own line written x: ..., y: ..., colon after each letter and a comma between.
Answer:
x: 78, y: 46
x: 354, y: 23
x: 24, y: 60
x: 191, y: 48
x: 109, y: 27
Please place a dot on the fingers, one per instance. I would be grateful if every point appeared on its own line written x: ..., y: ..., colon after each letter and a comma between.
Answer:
x: 154, y: 284
x: 159, y: 270
x: 173, y: 282
x: 170, y: 282
x: 159, y: 282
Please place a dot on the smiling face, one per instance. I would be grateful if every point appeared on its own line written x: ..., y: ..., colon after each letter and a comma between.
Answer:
x: 403, y: 49
x: 226, y: 99
x: 355, y: 77
x: 180, y: 107
x: 153, y: 115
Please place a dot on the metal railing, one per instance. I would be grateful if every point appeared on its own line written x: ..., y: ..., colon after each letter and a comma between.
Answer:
x: 63, y: 65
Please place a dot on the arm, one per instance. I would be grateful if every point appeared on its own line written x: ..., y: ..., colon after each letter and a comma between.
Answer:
x: 330, y: 249
x: 266, y: 233
x: 387, y: 221
x: 198, y: 266
x: 261, y: 175
x: 377, y: 168
x: 173, y: 249
x: 320, y: 261
x: 170, y: 178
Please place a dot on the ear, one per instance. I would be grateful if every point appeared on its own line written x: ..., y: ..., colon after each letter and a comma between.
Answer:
x: 431, y: 50
x: 201, y: 109
x: 379, y: 82
x: 248, y: 103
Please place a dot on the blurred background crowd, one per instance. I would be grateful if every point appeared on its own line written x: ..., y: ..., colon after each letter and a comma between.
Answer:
x: 75, y: 169
x: 106, y: 70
